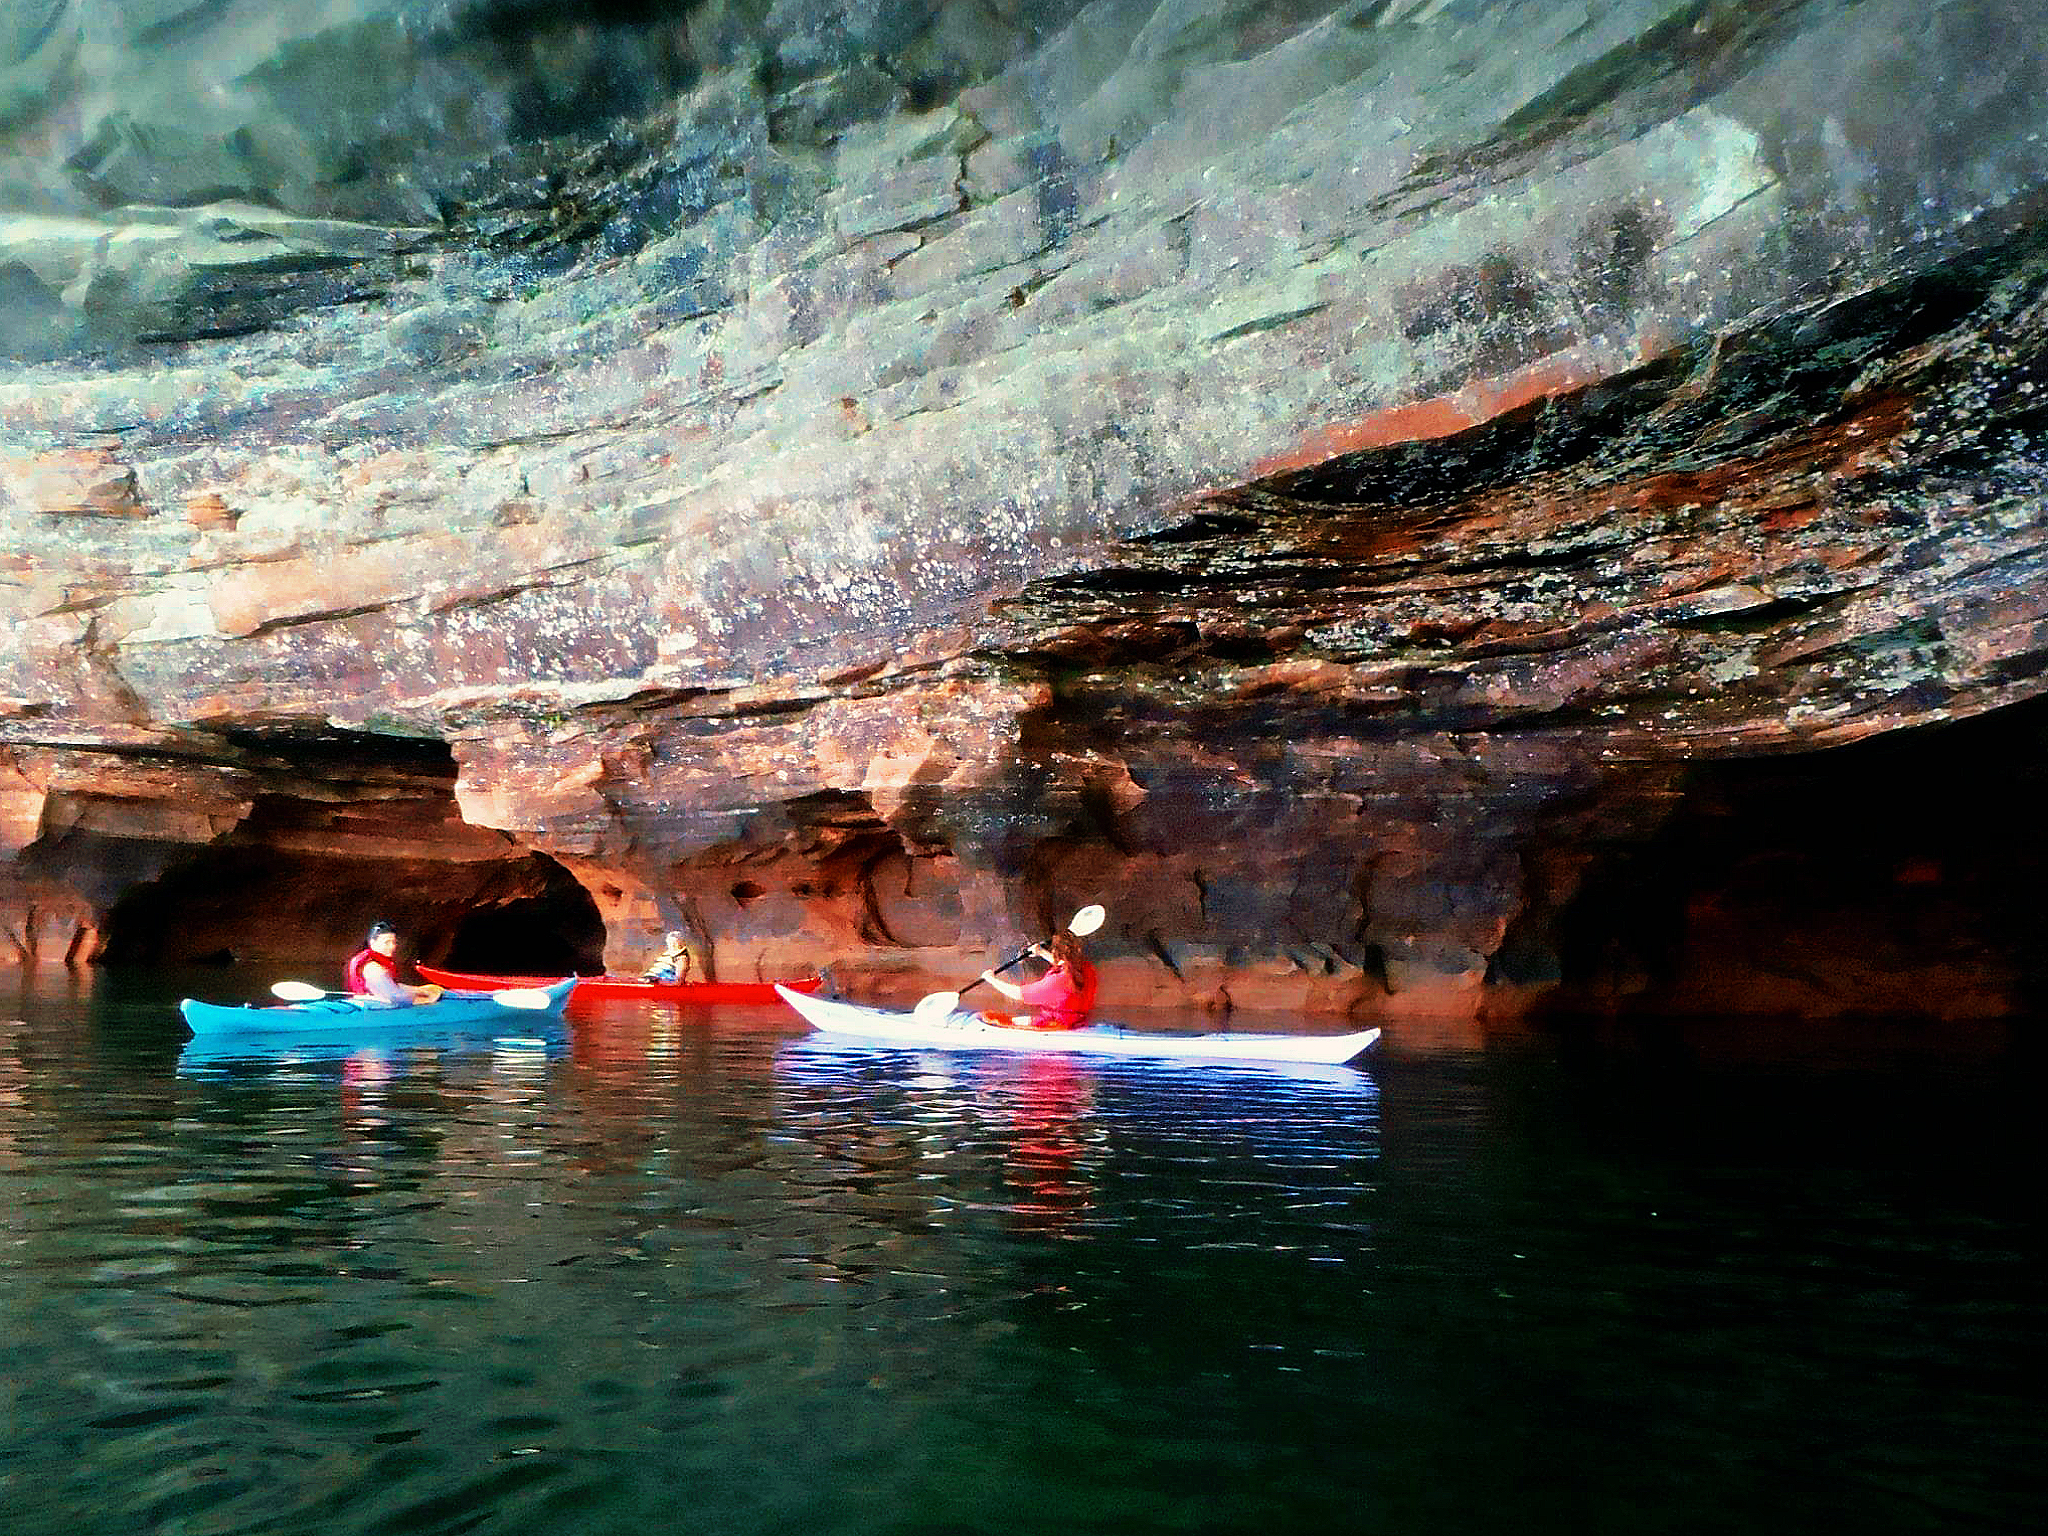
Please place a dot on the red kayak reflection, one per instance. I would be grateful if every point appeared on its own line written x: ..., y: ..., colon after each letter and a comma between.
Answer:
x: 1044, y: 1103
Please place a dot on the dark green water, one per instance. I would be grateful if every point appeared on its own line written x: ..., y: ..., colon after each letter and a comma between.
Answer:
x: 664, y: 1274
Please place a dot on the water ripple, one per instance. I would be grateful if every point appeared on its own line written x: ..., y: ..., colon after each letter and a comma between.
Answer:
x: 708, y: 1273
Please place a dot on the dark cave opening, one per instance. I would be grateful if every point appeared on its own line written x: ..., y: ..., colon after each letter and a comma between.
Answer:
x: 255, y: 900
x: 1891, y: 878
x: 351, y: 830
x: 552, y: 932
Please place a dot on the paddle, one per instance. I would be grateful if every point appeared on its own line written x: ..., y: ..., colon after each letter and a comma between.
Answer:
x: 505, y: 997
x: 936, y: 1005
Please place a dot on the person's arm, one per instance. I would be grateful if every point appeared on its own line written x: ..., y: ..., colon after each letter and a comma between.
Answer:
x: 385, y: 987
x: 1008, y: 989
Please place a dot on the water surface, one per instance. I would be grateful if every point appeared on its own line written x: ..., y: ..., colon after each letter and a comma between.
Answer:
x: 665, y: 1270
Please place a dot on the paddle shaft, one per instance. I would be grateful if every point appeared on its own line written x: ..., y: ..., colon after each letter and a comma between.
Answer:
x: 306, y: 992
x: 1017, y: 959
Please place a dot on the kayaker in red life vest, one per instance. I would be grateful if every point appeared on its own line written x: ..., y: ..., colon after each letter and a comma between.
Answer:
x: 1062, y: 997
x: 372, y: 971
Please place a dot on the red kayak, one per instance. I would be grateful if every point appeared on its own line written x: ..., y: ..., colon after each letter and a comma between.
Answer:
x: 589, y: 987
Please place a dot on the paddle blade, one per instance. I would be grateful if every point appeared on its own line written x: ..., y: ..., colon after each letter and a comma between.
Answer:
x: 935, y: 1006
x: 298, y: 991
x: 1086, y: 921
x: 522, y: 997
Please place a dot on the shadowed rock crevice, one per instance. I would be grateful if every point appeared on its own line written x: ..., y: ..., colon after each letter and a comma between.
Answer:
x: 1893, y: 877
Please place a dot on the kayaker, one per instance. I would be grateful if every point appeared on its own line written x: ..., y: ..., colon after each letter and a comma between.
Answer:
x: 372, y: 972
x: 1062, y: 997
x: 673, y: 963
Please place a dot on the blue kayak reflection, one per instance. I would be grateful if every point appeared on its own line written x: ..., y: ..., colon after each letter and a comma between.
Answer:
x: 388, y: 1047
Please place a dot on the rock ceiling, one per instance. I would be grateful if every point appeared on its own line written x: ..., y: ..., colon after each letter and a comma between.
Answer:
x: 1329, y: 481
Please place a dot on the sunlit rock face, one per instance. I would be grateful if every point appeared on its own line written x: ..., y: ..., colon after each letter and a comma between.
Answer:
x: 1348, y: 487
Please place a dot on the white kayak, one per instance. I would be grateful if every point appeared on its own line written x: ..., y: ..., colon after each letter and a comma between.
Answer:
x: 966, y: 1031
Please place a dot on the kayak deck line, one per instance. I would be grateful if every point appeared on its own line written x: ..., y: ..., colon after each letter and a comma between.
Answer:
x: 968, y: 1031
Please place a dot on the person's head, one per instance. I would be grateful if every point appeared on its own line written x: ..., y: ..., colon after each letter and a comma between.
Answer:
x: 383, y: 938
x: 1065, y: 950
x: 675, y: 938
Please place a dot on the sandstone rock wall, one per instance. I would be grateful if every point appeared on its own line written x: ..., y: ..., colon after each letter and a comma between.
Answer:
x: 860, y: 480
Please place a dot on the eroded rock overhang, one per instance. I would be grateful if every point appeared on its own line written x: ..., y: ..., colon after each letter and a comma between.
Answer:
x: 1307, y: 474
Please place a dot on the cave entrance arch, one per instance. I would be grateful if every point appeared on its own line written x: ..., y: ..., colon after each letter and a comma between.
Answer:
x: 264, y: 896
x: 348, y: 829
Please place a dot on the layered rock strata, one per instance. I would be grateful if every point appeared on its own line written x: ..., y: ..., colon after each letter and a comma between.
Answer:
x: 1327, y: 482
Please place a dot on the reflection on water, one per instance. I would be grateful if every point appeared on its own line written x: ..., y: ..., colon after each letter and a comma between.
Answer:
x: 660, y: 1270
x: 1046, y: 1121
x: 382, y: 1051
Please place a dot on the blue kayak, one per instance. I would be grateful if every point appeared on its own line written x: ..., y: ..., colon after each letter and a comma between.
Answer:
x: 360, y: 1017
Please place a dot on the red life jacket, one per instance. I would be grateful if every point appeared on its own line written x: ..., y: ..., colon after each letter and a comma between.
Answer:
x: 366, y: 956
x: 1061, y: 999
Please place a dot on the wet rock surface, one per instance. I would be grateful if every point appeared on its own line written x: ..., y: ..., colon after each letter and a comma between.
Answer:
x: 1338, y: 484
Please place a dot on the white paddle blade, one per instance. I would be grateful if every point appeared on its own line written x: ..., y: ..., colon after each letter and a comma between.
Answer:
x: 935, y: 1006
x: 1086, y: 921
x: 298, y: 991
x: 522, y: 997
